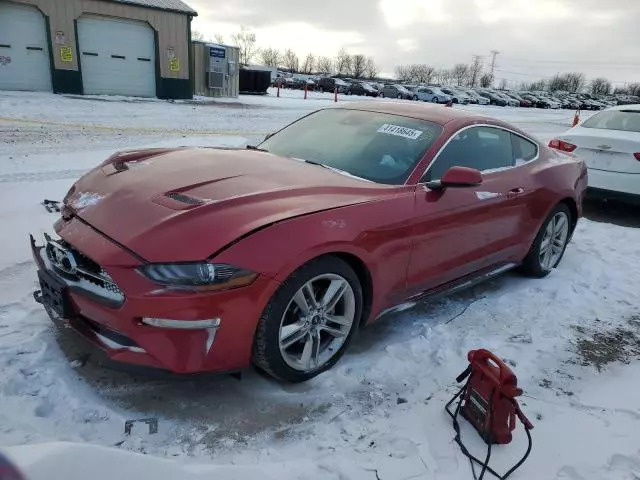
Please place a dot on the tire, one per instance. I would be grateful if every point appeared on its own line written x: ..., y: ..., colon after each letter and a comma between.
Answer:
x: 415, y: 98
x: 399, y: 96
x: 290, y: 363
x: 534, y: 263
x: 381, y: 95
x: 435, y: 100
x: 455, y: 100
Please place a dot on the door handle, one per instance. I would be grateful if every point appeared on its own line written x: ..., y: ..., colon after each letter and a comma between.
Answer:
x: 516, y: 191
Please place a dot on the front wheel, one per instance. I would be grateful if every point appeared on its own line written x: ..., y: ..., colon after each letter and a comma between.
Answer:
x: 435, y: 100
x: 309, y: 322
x: 550, y: 244
x: 381, y: 95
x: 415, y: 98
x: 399, y: 96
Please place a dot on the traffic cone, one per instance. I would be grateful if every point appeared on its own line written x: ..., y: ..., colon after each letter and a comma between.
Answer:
x: 576, y: 118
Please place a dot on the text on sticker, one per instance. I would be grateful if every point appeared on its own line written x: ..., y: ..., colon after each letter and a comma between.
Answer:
x: 400, y: 131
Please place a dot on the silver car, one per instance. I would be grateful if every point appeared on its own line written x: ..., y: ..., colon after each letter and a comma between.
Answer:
x: 432, y: 94
x: 457, y: 96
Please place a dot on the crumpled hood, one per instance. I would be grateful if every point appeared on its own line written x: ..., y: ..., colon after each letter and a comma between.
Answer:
x: 186, y: 204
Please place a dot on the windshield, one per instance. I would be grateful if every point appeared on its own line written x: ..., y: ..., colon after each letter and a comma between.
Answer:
x: 379, y: 147
x: 625, y: 120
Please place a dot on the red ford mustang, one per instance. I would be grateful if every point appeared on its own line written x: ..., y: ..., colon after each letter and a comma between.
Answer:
x: 194, y: 260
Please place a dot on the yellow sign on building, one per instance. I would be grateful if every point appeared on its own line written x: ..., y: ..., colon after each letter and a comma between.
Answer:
x: 174, y: 64
x: 66, y: 54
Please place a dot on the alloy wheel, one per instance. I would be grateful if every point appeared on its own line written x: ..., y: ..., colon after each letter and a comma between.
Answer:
x: 554, y: 241
x: 317, y: 322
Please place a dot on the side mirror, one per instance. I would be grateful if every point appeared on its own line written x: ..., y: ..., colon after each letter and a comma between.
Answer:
x: 457, y: 177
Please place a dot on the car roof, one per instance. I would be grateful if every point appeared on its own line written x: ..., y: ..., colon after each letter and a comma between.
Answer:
x: 422, y: 111
x: 634, y: 107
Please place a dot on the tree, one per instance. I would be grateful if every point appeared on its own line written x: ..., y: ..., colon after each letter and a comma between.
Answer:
x: 343, y: 62
x: 290, y: 61
x: 503, y: 84
x: 219, y: 38
x: 600, y: 86
x: 403, y: 73
x: 371, y: 70
x: 460, y: 72
x: 270, y: 57
x: 538, y: 85
x: 358, y: 65
x: 422, y: 73
x: 475, y: 69
x: 309, y: 63
x: 558, y: 82
x: 442, y: 76
x: 486, y: 80
x: 634, y: 89
x: 246, y: 40
x: 576, y: 81
x: 324, y: 65
x: 197, y: 36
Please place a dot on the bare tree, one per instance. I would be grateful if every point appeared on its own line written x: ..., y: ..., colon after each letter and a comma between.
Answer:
x: 558, y: 82
x: 246, y: 40
x: 270, y: 57
x: 475, y: 69
x: 290, y: 60
x: 197, y: 36
x: 309, y: 63
x: 403, y: 73
x: 324, y: 65
x: 219, y: 38
x: 343, y: 62
x: 371, y: 70
x: 486, y: 80
x: 576, y: 81
x: 460, y: 73
x: 634, y: 89
x: 503, y: 84
x: 441, y: 75
x: 358, y: 65
x: 600, y: 86
x: 422, y: 73
x: 537, y: 85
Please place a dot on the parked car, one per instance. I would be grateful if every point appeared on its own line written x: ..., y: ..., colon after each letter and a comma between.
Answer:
x: 329, y: 84
x: 522, y: 102
x: 609, y: 142
x: 511, y: 102
x: 475, y: 96
x: 278, y: 253
x: 397, y: 91
x: 456, y: 95
x: 432, y: 94
x: 493, y: 98
x: 363, y: 89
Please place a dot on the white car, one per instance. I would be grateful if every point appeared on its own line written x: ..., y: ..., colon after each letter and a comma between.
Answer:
x: 609, y: 142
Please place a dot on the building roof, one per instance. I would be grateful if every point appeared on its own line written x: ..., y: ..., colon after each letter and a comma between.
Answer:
x: 177, y: 6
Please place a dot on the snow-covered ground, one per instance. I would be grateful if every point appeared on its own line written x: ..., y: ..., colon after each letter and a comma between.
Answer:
x: 572, y: 339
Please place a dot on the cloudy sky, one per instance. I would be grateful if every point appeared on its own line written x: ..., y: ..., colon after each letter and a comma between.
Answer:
x: 536, y: 38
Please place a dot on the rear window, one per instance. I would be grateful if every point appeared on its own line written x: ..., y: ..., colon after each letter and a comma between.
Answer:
x: 625, y: 120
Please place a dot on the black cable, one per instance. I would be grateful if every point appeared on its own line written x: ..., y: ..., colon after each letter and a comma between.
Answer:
x: 463, y: 448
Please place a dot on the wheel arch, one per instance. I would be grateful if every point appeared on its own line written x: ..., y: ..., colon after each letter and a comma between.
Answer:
x: 573, y: 208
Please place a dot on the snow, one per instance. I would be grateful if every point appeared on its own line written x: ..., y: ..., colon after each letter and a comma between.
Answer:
x: 380, y: 411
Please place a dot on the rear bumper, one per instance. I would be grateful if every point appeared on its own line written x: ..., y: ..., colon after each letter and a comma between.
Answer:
x: 121, y: 335
x: 627, y: 184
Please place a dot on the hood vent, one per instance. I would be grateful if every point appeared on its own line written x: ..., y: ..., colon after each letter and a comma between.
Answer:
x: 182, y: 198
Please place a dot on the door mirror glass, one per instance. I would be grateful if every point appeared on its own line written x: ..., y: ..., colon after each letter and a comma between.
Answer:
x: 457, y: 177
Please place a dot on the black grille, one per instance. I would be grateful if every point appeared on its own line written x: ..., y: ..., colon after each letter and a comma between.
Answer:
x: 110, y: 334
x: 182, y: 198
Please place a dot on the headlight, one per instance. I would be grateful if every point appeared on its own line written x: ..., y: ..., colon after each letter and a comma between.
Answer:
x: 199, y: 276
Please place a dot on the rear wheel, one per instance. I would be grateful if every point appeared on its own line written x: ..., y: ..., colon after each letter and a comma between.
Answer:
x: 381, y: 95
x: 399, y: 96
x: 310, y: 321
x: 415, y: 98
x: 550, y: 244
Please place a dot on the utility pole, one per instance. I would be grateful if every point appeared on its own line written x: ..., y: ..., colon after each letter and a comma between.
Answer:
x: 494, y: 53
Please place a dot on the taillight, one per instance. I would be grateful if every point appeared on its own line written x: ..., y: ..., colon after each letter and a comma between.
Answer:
x: 637, y: 155
x: 562, y: 145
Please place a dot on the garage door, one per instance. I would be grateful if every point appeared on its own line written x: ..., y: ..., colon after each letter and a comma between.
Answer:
x: 24, y: 52
x: 117, y: 57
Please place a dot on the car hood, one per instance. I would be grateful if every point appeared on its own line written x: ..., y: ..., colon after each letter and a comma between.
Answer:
x: 186, y: 204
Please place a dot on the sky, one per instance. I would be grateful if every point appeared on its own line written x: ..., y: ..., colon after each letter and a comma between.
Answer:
x: 535, y: 38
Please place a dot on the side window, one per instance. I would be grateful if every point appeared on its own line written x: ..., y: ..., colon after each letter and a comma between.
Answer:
x: 482, y: 148
x: 523, y: 150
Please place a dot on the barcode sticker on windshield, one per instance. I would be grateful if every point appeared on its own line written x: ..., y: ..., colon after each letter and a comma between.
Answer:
x: 400, y: 131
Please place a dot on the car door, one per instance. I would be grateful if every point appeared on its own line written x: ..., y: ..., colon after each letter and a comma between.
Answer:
x: 460, y: 231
